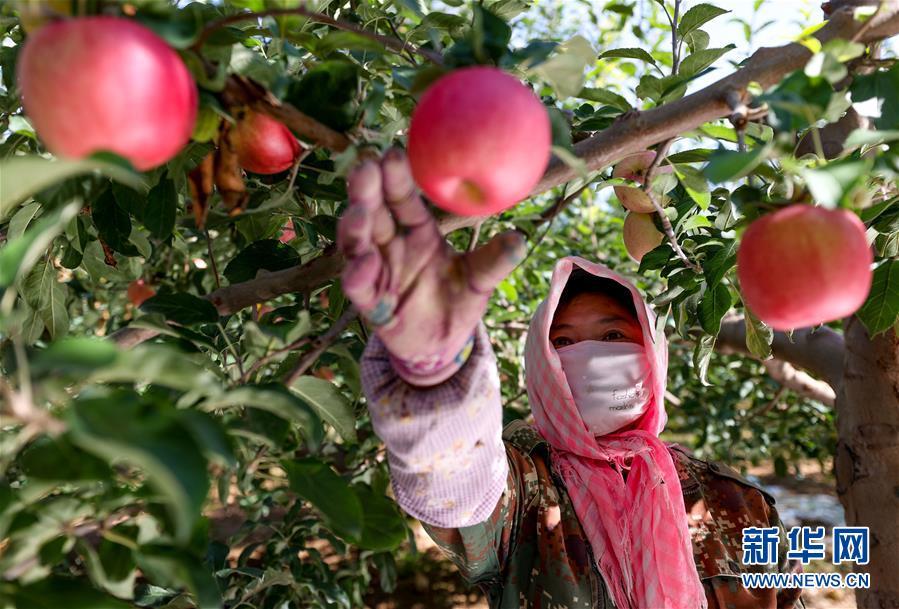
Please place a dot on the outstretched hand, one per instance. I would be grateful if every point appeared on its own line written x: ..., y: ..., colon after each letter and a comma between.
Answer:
x: 423, y: 299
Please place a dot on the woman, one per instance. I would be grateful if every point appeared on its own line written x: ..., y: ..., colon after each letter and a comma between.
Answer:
x: 589, y: 509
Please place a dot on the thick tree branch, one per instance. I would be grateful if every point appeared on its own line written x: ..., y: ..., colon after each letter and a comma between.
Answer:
x: 819, y: 352
x: 801, y: 382
x: 231, y: 299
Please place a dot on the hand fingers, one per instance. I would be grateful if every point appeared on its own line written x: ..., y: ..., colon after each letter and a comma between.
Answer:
x: 383, y: 226
x: 355, y: 228
x: 490, y: 263
x: 400, y: 192
x: 360, y: 281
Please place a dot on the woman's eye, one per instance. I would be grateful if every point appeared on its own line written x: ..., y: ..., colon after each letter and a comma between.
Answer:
x: 562, y: 341
x: 613, y: 335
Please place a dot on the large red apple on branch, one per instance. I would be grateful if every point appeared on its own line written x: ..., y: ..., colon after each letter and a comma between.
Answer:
x: 804, y: 265
x: 479, y: 141
x: 263, y: 144
x: 96, y: 84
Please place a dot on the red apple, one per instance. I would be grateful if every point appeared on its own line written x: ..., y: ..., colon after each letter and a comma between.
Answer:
x: 640, y: 235
x: 139, y: 291
x: 634, y: 168
x: 804, y: 265
x: 479, y: 141
x: 263, y: 144
x: 107, y: 83
x: 288, y: 233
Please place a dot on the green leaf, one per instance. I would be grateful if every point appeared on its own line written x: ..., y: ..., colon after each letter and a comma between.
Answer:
x: 327, y: 92
x: 33, y: 174
x: 18, y: 255
x: 604, y: 96
x: 490, y: 35
x: 697, y: 40
x: 881, y: 310
x: 383, y: 526
x: 834, y: 183
x: 346, y: 40
x: 728, y: 165
x: 120, y: 426
x: 695, y: 183
x: 561, y: 129
x: 800, y: 101
x: 77, y: 355
x: 656, y: 258
x: 759, y: 337
x: 59, y: 459
x: 697, y: 16
x: 717, y: 266
x: 57, y: 591
x: 330, y: 494
x: 700, y: 60
x: 161, y: 365
x: 273, y: 398
x: 130, y: 200
x: 174, y: 567
x: 43, y: 292
x: 183, y: 308
x: 113, y: 223
x: 161, y: 209
x: 268, y: 254
x: 21, y: 219
x: 329, y: 403
x: 628, y: 53
x: 881, y: 85
x: 702, y: 355
x: 714, y: 305
x: 566, y: 69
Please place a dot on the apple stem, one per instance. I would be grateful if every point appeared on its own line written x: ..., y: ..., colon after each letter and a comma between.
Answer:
x: 320, y: 344
x: 661, y: 155
x: 215, y: 271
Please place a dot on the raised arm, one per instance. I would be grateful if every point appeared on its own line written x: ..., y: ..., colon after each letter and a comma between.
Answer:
x: 429, y: 372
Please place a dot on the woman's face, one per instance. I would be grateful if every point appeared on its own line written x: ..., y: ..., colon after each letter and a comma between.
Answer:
x: 591, y: 316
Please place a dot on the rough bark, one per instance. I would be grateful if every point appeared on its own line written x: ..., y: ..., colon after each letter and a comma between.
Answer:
x: 867, y: 460
x: 801, y: 382
x: 819, y: 352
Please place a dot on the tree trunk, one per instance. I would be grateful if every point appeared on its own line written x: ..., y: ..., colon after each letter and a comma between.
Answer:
x: 867, y: 460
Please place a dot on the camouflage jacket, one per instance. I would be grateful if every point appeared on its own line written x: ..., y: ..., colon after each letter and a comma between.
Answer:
x: 532, y: 552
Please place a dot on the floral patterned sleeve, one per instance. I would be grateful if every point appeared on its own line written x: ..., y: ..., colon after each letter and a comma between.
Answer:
x: 447, y: 460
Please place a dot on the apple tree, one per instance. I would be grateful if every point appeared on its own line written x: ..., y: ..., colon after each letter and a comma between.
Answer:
x: 180, y: 405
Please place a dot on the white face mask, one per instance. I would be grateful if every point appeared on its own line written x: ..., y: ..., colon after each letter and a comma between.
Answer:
x: 610, y: 382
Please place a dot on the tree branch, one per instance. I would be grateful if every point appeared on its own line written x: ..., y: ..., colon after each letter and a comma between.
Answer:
x: 801, y: 382
x: 819, y: 352
x: 321, y: 344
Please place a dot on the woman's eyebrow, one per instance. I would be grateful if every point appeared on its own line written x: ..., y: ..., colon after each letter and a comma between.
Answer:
x: 603, y: 320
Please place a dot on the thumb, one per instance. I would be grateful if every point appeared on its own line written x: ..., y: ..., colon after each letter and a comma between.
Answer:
x: 490, y: 263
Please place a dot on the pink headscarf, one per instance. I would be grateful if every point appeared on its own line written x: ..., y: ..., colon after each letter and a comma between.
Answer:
x: 637, y: 528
